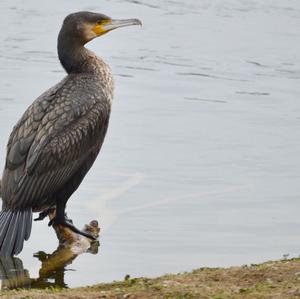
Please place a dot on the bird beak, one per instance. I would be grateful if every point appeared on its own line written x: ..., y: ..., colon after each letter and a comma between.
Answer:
x: 109, y: 25
x: 114, y: 24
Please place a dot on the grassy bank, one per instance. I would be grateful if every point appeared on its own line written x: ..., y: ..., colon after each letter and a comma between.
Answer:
x: 280, y: 279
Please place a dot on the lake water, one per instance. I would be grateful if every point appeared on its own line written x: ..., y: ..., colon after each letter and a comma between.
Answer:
x: 200, y: 166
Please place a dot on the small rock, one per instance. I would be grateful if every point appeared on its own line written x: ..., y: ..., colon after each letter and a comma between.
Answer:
x: 269, y: 280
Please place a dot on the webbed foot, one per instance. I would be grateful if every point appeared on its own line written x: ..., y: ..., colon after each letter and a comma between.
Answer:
x: 68, y: 223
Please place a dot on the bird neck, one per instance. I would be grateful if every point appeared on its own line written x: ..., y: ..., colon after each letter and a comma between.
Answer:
x: 73, y: 56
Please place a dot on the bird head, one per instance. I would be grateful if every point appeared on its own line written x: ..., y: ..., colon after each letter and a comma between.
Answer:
x: 85, y: 26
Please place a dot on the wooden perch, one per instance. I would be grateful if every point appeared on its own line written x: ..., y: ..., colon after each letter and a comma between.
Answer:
x: 70, y: 246
x: 67, y: 238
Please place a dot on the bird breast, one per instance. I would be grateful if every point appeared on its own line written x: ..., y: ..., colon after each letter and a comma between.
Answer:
x: 104, y: 75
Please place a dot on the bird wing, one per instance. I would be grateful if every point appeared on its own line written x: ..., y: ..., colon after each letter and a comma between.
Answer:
x: 51, y: 141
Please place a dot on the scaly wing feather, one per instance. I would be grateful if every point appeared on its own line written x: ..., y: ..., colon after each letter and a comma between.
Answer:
x: 52, y: 140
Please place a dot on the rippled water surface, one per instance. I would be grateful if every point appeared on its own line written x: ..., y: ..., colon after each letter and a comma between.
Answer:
x: 201, y: 164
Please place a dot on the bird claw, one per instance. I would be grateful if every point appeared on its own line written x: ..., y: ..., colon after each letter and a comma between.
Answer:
x: 51, y: 222
x: 43, y: 214
x: 68, y: 223
x: 40, y: 218
x: 80, y: 232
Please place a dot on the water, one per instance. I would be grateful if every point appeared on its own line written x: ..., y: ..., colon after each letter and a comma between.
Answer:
x: 201, y: 165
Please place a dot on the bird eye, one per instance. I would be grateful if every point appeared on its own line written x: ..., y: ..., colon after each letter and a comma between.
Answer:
x: 99, y: 22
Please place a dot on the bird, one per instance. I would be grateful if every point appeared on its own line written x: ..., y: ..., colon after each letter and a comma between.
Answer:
x: 56, y: 141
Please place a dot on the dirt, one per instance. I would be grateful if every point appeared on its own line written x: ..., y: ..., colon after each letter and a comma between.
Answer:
x: 275, y: 279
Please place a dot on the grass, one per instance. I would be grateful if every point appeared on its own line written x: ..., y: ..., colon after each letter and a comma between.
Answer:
x: 275, y: 279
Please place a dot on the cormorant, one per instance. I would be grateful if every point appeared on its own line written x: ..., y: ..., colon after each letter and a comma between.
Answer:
x: 58, y: 138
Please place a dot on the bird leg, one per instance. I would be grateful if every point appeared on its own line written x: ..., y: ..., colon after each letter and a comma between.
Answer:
x: 61, y: 219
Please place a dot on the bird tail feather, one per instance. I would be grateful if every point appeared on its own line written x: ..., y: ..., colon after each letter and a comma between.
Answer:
x: 15, y: 227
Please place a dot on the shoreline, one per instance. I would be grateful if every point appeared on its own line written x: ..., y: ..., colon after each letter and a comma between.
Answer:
x: 272, y: 279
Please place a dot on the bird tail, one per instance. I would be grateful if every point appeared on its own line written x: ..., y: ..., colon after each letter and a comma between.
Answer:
x: 15, y: 227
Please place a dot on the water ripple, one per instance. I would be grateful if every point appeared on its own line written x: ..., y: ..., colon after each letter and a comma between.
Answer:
x: 205, y: 100
x: 211, y: 76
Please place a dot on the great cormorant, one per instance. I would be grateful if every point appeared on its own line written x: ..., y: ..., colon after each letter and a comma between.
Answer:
x: 58, y: 138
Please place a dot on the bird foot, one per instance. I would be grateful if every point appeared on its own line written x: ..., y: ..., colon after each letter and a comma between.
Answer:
x: 44, y: 214
x: 67, y: 223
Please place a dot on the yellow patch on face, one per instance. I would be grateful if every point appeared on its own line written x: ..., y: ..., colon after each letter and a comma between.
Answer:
x: 99, y: 29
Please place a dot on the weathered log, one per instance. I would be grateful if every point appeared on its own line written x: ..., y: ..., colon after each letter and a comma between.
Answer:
x: 67, y: 237
x: 70, y: 246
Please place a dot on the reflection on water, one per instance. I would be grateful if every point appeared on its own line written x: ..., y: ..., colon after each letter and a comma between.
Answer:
x: 51, y: 273
x: 12, y: 273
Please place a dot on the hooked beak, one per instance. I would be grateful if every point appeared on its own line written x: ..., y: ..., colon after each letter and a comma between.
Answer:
x: 114, y: 24
x: 109, y: 25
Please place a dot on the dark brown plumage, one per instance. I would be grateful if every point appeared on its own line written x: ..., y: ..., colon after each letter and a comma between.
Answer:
x: 59, y: 136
